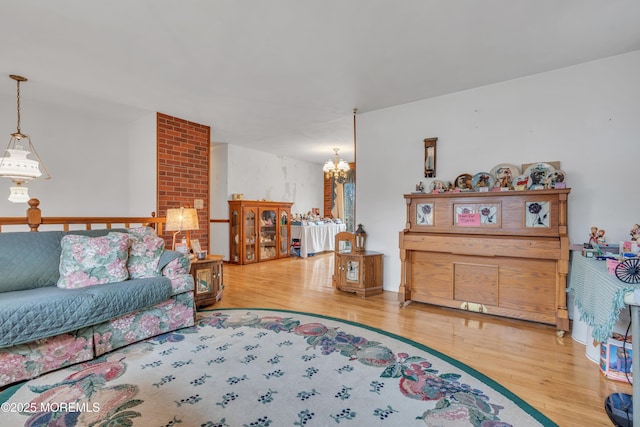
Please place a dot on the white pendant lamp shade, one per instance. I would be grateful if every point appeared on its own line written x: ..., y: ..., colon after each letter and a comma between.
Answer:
x: 15, y: 163
x: 19, y: 195
x: 17, y: 166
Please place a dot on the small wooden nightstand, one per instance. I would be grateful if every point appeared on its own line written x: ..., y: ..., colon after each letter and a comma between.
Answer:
x: 359, y: 272
x: 207, y: 276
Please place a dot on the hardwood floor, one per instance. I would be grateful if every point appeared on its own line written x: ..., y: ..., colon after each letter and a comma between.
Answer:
x: 550, y: 373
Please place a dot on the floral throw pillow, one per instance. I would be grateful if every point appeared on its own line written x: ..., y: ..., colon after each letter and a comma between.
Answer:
x: 87, y: 261
x: 144, y: 254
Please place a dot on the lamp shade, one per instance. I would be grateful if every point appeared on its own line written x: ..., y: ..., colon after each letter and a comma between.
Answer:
x: 180, y: 219
x: 19, y: 195
x: 17, y: 166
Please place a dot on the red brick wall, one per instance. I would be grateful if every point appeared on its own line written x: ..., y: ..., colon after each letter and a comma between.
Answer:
x: 183, y: 170
x: 328, y: 197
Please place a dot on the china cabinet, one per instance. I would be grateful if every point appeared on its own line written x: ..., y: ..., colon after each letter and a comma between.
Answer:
x: 259, y: 230
x: 207, y: 277
x: 504, y: 253
x: 356, y: 271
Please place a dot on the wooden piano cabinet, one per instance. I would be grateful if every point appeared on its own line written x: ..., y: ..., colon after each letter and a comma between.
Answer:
x: 500, y: 253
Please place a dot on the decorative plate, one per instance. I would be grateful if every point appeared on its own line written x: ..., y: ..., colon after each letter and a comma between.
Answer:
x: 463, y: 182
x: 556, y: 179
x: 537, y: 173
x: 437, y: 185
x: 482, y: 180
x: 521, y: 182
x: 504, y: 174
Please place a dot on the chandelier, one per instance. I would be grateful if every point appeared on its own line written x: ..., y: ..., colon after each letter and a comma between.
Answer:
x: 15, y: 165
x: 336, y: 168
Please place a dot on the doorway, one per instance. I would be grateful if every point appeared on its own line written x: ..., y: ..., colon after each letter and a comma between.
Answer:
x: 343, y: 200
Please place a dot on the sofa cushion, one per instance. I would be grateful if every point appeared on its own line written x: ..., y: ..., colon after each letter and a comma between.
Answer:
x: 87, y: 261
x: 168, y: 255
x: 39, y: 313
x: 29, y: 260
x: 144, y: 252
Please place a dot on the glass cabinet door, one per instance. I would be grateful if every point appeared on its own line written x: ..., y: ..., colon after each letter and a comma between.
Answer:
x: 284, y: 233
x: 268, y: 218
x: 352, y: 271
x: 235, y: 236
x: 250, y: 233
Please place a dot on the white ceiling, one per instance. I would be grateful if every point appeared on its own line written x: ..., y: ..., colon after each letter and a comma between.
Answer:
x: 284, y: 75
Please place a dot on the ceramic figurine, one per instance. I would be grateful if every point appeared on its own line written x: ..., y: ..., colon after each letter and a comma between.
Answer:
x: 635, y: 232
x: 601, y: 240
x: 420, y: 187
x: 593, y: 237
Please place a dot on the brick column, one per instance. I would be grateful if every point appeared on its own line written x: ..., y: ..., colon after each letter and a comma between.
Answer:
x: 183, y: 153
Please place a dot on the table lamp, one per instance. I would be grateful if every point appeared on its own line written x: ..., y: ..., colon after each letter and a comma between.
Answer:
x: 182, y: 219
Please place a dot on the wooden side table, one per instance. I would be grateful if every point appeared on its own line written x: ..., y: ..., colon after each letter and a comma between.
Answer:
x: 354, y: 271
x: 358, y: 272
x: 207, y: 276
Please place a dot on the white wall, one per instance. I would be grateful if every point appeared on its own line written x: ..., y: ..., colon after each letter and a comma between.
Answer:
x: 219, y: 209
x: 259, y: 175
x: 585, y: 116
x: 87, y: 156
x: 142, y: 166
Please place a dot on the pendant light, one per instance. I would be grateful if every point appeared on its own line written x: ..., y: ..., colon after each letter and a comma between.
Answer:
x: 16, y: 165
x: 336, y: 168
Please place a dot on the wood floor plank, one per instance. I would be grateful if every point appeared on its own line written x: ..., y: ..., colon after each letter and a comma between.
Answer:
x: 550, y: 373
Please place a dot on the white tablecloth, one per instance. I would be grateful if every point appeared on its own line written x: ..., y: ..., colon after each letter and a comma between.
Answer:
x: 316, y: 238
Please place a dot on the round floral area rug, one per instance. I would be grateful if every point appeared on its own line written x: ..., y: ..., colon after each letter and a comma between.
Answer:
x: 253, y: 367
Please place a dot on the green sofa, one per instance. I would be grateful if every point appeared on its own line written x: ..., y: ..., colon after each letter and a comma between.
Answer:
x: 44, y: 327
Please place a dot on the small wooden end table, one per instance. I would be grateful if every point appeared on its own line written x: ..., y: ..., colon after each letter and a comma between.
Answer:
x: 207, y: 276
